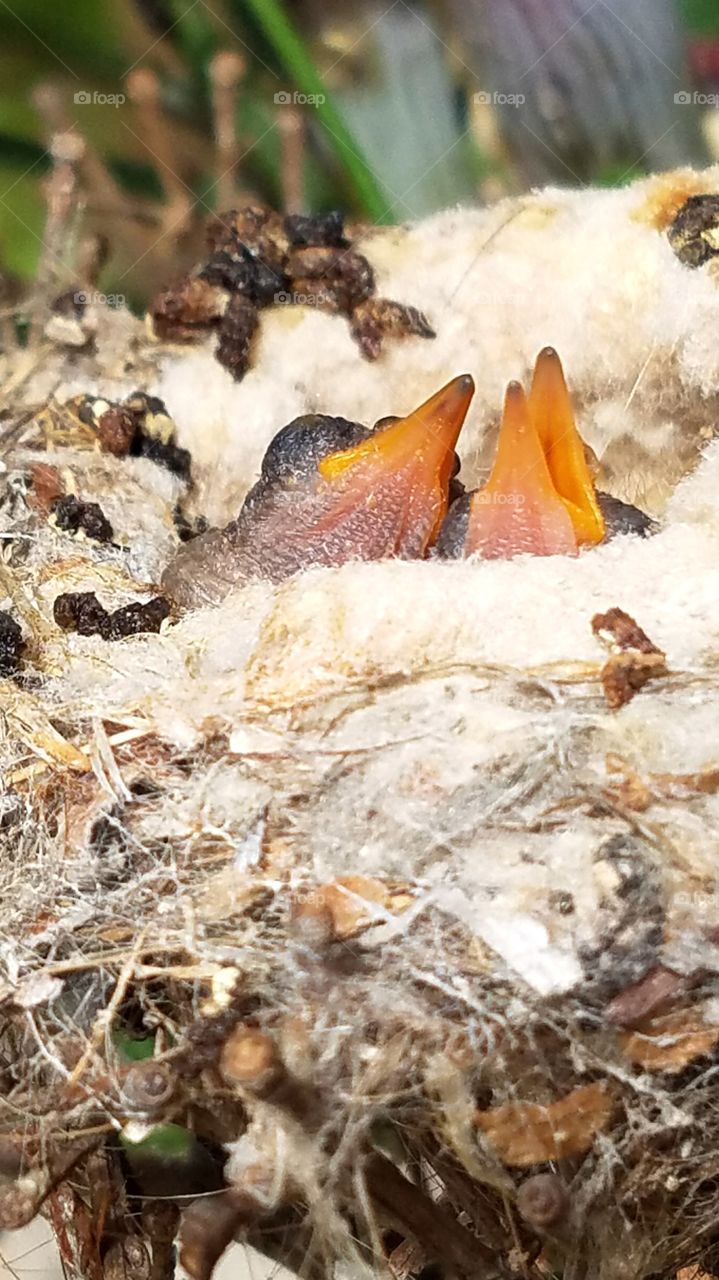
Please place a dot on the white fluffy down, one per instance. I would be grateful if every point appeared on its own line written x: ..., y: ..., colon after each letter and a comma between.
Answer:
x: 439, y: 726
x: 588, y: 272
x: 466, y: 697
x: 463, y: 699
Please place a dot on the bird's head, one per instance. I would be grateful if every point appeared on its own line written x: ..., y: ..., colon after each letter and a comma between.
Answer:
x: 540, y: 496
x: 332, y: 491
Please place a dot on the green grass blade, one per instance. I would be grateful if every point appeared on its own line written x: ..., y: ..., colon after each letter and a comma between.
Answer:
x: 294, y: 55
x: 701, y: 16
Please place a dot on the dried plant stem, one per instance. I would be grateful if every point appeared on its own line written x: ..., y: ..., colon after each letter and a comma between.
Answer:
x: 292, y: 139
x: 227, y: 70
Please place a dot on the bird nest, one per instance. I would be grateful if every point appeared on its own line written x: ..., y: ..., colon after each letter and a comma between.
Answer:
x: 369, y: 918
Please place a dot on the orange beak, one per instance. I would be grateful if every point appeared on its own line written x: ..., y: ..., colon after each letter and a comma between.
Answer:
x: 402, y: 470
x: 540, y: 496
x: 551, y: 409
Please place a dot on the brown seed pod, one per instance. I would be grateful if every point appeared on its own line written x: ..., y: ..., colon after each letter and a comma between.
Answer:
x: 18, y: 1205
x: 250, y: 1058
x: 348, y: 274
x: 236, y: 333
x: 542, y: 1200
x: 311, y: 919
x: 46, y: 486
x: 622, y: 631
x: 378, y: 318
x: 10, y: 1157
x: 116, y: 429
x: 206, y: 1229
x: 127, y: 1259
x: 186, y: 307
x: 255, y: 227
x: 693, y: 234
x: 635, y: 659
x: 148, y: 1086
x: 659, y: 988
x: 624, y: 674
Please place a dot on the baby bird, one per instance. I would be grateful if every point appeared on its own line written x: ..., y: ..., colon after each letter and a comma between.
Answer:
x: 332, y: 491
x: 540, y: 496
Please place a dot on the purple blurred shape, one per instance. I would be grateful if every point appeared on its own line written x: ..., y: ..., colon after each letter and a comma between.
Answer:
x: 600, y: 79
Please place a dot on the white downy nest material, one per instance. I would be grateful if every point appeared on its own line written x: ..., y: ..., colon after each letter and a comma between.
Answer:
x: 506, y: 855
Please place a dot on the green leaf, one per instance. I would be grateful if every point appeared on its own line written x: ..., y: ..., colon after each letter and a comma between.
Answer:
x: 171, y: 1161
x: 132, y: 1048
x: 22, y: 213
x: 163, y: 1142
x: 296, y: 59
x: 70, y: 40
x: 701, y: 16
x: 196, y: 38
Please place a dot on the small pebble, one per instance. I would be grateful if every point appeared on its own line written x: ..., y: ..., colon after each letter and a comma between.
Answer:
x: 543, y: 1200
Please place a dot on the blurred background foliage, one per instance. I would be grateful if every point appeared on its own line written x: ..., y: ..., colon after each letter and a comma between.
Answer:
x: 187, y: 106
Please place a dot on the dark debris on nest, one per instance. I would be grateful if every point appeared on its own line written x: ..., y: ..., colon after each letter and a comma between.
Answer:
x: 321, y: 1068
x: 258, y: 258
x: 140, y: 426
x: 72, y: 515
x: 694, y: 232
x: 11, y: 644
x: 228, y: 1106
x: 82, y: 612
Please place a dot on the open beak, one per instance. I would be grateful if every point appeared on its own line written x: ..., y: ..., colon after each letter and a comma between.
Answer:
x: 404, y: 468
x: 551, y: 409
x: 540, y: 497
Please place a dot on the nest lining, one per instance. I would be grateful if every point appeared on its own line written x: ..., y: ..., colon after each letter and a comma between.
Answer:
x: 408, y: 916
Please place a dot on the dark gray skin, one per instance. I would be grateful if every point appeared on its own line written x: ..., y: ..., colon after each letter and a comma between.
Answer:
x: 619, y: 517
x: 206, y: 569
x: 275, y: 533
x: 281, y: 527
